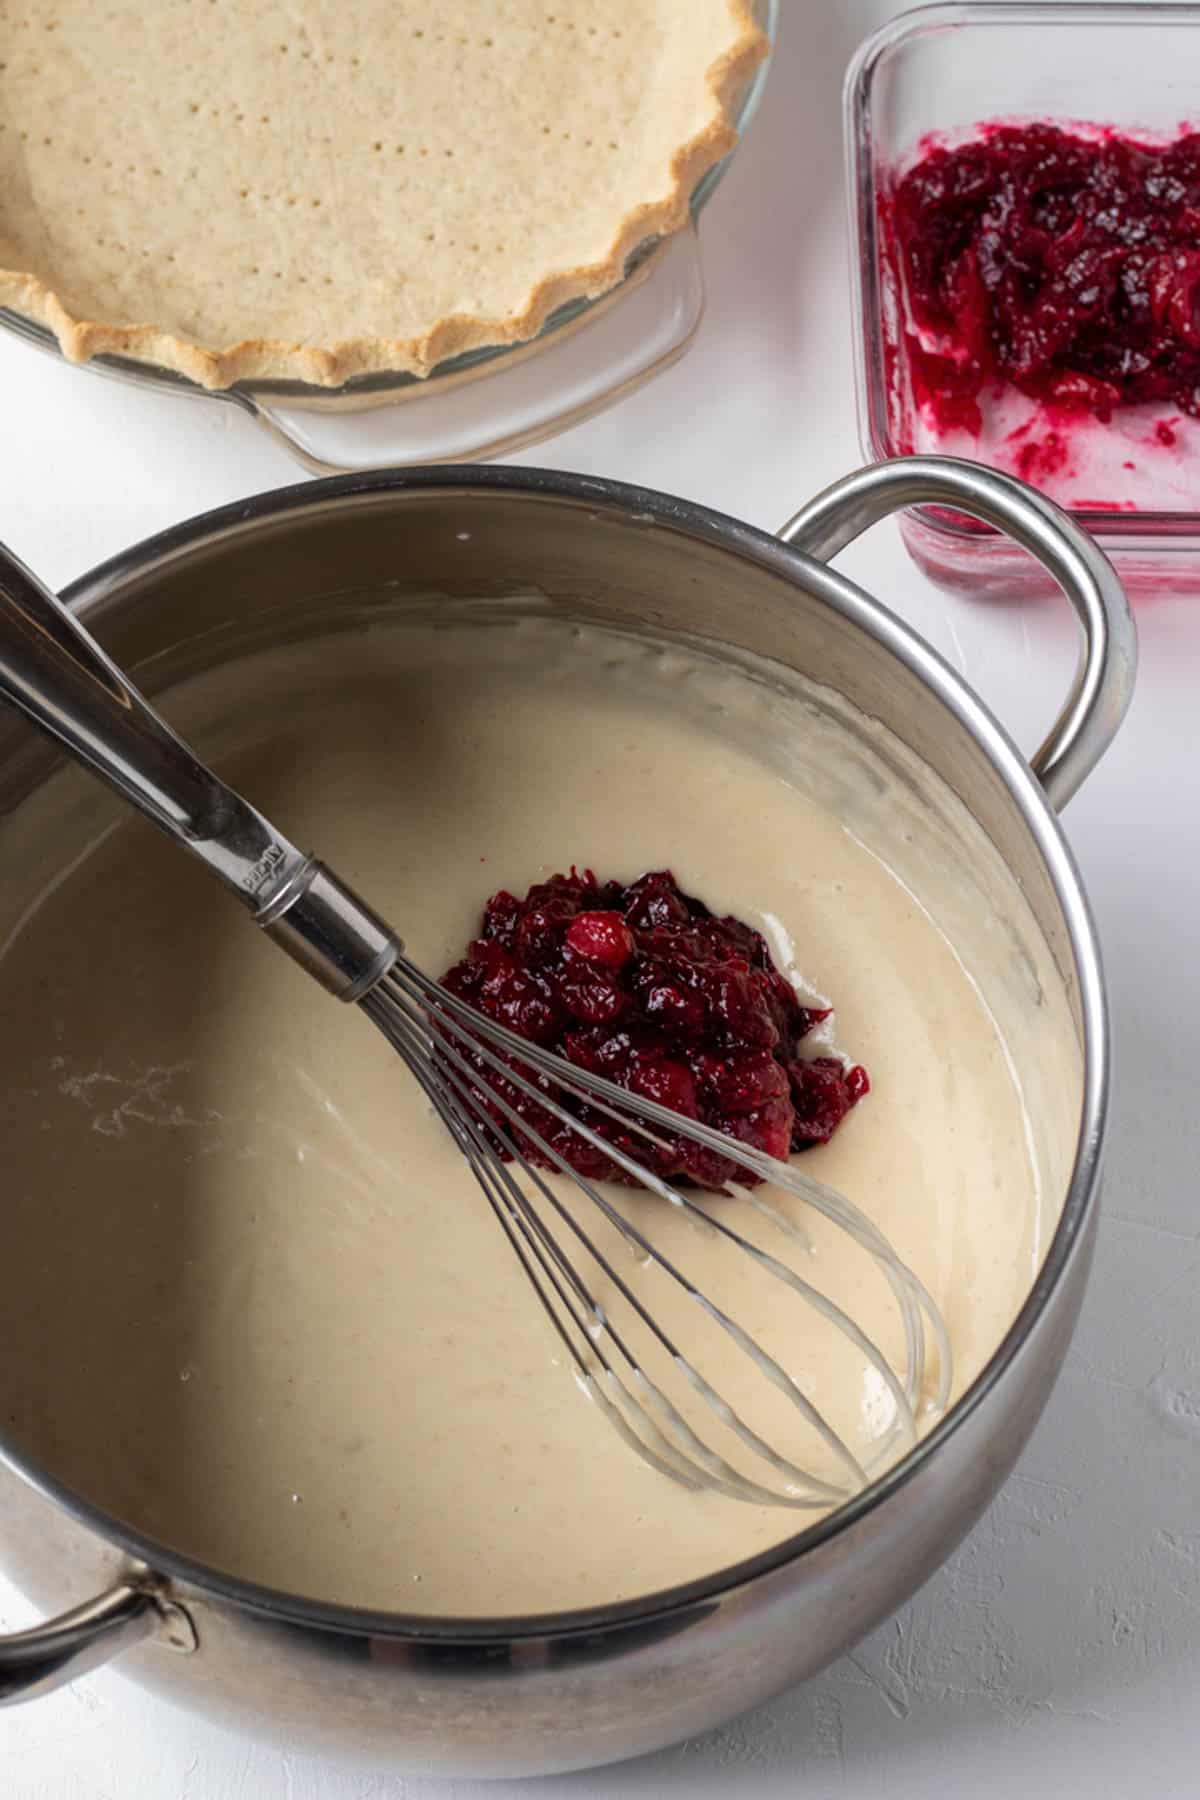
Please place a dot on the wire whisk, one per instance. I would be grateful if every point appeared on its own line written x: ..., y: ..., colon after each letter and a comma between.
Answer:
x: 443, y: 1040
x: 622, y: 1303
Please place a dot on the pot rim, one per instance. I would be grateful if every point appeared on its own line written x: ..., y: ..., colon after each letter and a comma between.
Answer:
x: 694, y: 520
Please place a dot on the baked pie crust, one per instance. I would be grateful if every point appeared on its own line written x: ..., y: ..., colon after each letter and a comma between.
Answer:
x: 250, y: 189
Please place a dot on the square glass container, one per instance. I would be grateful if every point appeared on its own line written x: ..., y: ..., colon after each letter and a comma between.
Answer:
x: 946, y: 70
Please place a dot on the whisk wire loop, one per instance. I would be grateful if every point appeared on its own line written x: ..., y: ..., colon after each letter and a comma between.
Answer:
x: 444, y: 1042
x: 912, y: 1298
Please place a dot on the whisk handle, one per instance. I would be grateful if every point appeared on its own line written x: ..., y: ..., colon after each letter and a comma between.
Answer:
x: 54, y: 671
x: 57, y: 674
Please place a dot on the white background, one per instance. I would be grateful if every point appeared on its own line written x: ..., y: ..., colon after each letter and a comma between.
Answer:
x: 1058, y: 1653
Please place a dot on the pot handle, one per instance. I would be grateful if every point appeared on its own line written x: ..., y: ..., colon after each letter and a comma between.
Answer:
x: 37, y: 1661
x: 1103, y: 685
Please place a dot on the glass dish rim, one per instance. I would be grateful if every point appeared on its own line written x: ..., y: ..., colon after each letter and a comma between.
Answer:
x: 1165, y: 530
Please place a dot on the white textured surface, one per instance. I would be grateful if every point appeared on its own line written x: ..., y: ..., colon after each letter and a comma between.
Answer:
x: 1059, y: 1651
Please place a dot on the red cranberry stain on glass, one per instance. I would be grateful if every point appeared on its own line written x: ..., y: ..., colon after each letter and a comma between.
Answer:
x: 643, y: 985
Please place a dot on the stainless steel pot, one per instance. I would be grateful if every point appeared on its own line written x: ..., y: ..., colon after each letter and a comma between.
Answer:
x: 537, y: 1695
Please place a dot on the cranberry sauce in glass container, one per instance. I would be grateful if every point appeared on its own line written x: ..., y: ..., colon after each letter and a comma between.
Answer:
x: 1025, y: 200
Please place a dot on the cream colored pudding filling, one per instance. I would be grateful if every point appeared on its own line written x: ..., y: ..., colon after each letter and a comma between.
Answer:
x: 255, y: 1305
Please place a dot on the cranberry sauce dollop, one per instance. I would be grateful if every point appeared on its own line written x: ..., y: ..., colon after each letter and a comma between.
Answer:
x: 1065, y: 264
x: 643, y: 985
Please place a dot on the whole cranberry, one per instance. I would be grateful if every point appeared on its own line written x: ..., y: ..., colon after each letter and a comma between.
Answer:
x: 601, y: 937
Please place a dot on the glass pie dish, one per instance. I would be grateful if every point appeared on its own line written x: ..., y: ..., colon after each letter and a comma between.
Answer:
x: 490, y: 401
x: 938, y: 74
